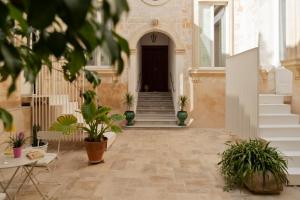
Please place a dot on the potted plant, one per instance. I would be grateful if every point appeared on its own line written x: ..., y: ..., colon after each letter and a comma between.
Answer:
x: 36, y: 143
x: 129, y: 114
x: 182, y: 114
x: 255, y: 165
x: 97, y: 122
x: 17, y: 142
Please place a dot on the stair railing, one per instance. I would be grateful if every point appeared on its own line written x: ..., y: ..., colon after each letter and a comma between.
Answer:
x: 171, y: 81
x: 54, y: 96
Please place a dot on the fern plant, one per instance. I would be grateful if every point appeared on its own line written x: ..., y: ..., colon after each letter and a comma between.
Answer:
x: 242, y: 159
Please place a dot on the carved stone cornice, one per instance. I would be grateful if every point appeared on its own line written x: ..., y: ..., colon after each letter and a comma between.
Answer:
x: 293, y: 65
x: 198, y: 73
x: 264, y: 74
x: 180, y: 51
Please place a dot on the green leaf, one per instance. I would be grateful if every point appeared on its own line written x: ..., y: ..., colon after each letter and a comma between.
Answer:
x: 7, y: 119
x: 88, y: 34
x: 57, y: 43
x: 17, y: 15
x: 67, y: 124
x: 77, y: 11
x: 3, y: 13
x: 77, y: 61
x: 88, y: 111
x: 92, y: 77
x: 117, y: 117
x: 115, y: 129
x: 41, y: 13
x: 89, y: 96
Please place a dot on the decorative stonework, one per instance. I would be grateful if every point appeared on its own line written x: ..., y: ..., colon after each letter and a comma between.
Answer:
x: 293, y: 65
x: 155, y: 2
x: 197, y: 74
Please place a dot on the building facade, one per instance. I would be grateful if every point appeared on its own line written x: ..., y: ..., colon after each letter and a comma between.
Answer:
x: 180, y: 47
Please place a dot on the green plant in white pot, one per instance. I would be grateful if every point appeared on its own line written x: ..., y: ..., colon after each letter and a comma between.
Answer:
x: 129, y: 114
x: 182, y: 114
x: 254, y: 164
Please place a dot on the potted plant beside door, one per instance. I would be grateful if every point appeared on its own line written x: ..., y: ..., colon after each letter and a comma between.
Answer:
x: 129, y: 114
x: 182, y: 114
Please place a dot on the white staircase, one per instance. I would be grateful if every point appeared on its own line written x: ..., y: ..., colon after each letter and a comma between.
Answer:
x: 155, y: 110
x: 68, y: 107
x: 282, y: 129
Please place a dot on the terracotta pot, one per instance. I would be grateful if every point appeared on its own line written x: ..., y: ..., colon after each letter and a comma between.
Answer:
x: 258, y: 185
x: 95, y: 151
x: 17, y: 152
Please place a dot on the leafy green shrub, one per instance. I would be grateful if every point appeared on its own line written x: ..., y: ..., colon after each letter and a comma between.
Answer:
x: 242, y: 159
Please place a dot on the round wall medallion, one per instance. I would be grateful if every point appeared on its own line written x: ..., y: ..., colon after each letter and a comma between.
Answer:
x: 155, y: 2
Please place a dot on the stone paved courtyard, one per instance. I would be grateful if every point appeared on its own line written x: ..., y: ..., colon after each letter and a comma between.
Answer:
x: 179, y: 164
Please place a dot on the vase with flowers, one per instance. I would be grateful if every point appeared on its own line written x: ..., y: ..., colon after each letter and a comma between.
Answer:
x: 17, y: 141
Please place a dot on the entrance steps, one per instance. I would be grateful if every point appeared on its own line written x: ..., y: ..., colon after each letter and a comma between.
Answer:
x: 281, y: 128
x: 155, y: 110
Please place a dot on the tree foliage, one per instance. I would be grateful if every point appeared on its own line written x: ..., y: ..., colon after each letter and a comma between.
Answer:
x: 64, y: 29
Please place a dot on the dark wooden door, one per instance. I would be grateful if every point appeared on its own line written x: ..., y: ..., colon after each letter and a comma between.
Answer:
x: 155, y: 68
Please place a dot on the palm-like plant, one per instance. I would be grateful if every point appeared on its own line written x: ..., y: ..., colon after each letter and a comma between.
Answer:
x: 183, y: 101
x: 128, y: 100
x: 98, y: 121
x: 243, y: 159
x: 66, y: 124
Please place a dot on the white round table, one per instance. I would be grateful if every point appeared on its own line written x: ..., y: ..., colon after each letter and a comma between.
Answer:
x: 18, y: 163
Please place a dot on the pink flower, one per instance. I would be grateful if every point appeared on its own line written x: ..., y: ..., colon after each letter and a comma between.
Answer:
x: 21, y: 136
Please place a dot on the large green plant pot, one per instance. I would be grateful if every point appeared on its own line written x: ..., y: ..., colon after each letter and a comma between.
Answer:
x: 129, y: 117
x: 182, y: 116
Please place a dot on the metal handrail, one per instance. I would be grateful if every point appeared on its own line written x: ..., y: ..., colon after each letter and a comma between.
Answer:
x: 138, y: 87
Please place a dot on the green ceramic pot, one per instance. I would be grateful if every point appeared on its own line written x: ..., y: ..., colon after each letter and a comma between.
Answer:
x: 129, y: 117
x: 182, y: 116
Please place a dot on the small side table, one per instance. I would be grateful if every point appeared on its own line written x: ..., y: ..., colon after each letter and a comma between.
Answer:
x: 18, y: 163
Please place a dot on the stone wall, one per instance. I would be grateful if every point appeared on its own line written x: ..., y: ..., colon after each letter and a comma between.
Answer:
x: 208, y: 99
x: 292, y: 51
x: 15, y: 98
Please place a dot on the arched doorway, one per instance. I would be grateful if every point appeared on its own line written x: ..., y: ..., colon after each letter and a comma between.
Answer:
x: 155, y: 61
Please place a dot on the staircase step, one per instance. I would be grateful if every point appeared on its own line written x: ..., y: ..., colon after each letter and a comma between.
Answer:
x: 159, y: 103
x: 155, y: 99
x: 155, y: 109
x: 294, y: 176
x: 279, y: 130
x: 284, y: 143
x: 271, y: 99
x: 274, y: 109
x: 155, y: 126
x: 275, y: 119
x: 293, y: 158
x: 154, y: 122
x: 155, y: 93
